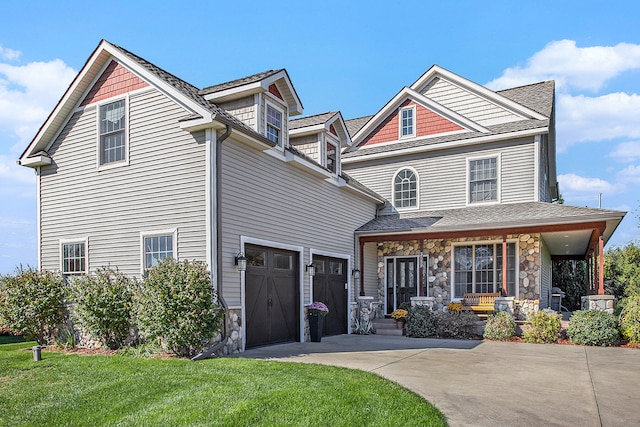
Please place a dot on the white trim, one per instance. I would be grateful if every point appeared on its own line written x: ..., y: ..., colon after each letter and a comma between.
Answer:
x: 386, y: 272
x: 156, y: 233
x: 536, y: 167
x: 210, y: 200
x: 324, y: 155
x: 393, y: 190
x: 38, y: 219
x: 484, y: 242
x: 414, y: 124
x: 125, y: 162
x: 244, y: 240
x: 282, y: 142
x: 468, y: 160
x: 256, y: 105
x: 85, y: 241
x: 443, y: 145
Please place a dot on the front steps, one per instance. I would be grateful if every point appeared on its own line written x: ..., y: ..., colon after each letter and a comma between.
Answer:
x: 386, y: 327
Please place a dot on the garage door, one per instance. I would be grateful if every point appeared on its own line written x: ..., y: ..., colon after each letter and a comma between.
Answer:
x: 329, y: 286
x: 272, y: 297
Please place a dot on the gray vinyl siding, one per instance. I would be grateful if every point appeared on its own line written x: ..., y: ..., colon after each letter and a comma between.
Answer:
x: 370, y: 270
x: 545, y: 194
x: 244, y: 109
x: 467, y: 104
x: 265, y: 198
x: 162, y: 188
x: 545, y: 275
x: 443, y: 174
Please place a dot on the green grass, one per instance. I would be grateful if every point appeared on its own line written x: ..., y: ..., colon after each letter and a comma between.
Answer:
x: 65, y: 389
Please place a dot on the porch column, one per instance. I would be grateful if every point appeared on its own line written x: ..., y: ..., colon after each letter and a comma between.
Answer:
x: 504, y: 265
x: 361, y: 244
x: 601, y: 266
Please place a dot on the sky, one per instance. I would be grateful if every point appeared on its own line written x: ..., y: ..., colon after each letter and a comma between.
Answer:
x: 351, y: 56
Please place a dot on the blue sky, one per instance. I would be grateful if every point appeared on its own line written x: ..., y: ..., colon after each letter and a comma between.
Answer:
x: 348, y: 56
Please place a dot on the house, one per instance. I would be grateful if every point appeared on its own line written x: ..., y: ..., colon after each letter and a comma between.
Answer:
x: 420, y: 202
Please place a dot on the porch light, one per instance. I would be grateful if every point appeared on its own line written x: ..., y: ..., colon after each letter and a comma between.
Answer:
x: 311, y: 270
x: 241, y: 262
x: 356, y: 274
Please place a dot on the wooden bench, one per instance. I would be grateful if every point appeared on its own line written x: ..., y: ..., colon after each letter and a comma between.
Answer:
x: 481, y: 304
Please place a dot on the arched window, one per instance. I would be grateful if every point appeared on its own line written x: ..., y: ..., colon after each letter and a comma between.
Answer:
x: 405, y: 189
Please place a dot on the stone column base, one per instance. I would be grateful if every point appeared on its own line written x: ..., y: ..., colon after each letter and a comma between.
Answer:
x: 428, y: 301
x: 598, y: 302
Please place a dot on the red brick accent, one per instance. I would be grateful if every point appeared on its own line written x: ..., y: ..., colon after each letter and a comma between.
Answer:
x: 273, y: 89
x: 115, y: 80
x: 427, y: 123
x: 333, y: 130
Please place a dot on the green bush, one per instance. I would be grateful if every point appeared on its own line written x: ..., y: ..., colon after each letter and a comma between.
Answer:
x: 176, y: 305
x: 104, y: 305
x: 543, y: 327
x: 593, y: 327
x: 500, y: 326
x: 456, y: 325
x: 420, y: 322
x: 32, y: 303
x: 630, y: 319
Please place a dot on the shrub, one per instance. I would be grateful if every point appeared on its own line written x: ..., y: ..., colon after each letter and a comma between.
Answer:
x: 104, y: 306
x: 176, y: 305
x: 544, y: 327
x: 420, y: 322
x: 630, y: 319
x: 593, y: 327
x: 32, y: 303
x: 456, y: 325
x: 500, y: 326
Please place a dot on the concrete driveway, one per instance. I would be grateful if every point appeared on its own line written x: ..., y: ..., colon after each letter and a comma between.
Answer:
x: 483, y: 383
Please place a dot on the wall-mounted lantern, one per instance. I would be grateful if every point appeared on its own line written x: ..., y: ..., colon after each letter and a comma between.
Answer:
x: 241, y: 262
x: 311, y: 270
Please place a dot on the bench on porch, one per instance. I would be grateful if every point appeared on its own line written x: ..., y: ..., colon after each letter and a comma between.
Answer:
x: 481, y: 304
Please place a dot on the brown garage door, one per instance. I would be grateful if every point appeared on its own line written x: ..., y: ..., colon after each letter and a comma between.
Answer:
x: 329, y: 287
x: 272, y: 297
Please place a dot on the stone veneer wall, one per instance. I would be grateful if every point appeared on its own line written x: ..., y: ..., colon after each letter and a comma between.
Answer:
x: 439, y: 267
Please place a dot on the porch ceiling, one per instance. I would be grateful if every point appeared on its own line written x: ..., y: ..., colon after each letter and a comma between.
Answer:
x: 568, y: 243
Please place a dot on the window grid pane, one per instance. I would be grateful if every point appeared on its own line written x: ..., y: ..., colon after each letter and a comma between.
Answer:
x: 483, y: 181
x: 274, y: 123
x: 405, y: 187
x: 478, y: 268
x: 463, y: 256
x: 407, y: 122
x: 156, y: 249
x: 112, y: 127
x: 73, y: 258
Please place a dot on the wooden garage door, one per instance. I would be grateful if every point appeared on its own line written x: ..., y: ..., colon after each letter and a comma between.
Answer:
x: 329, y: 286
x: 272, y: 297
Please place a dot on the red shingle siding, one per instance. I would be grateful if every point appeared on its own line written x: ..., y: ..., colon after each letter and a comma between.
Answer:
x: 274, y: 91
x: 115, y: 80
x: 427, y: 123
x: 333, y: 130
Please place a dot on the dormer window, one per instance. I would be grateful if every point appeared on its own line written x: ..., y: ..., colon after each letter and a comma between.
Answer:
x: 274, y: 124
x: 407, y: 122
x: 330, y: 156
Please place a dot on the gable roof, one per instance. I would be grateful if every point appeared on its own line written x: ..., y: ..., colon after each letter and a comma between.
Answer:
x: 354, y: 125
x: 239, y: 82
x: 318, y: 119
x: 321, y: 122
x: 537, y: 96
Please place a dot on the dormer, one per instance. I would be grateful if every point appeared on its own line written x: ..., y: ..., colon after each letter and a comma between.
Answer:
x: 321, y: 138
x: 263, y: 101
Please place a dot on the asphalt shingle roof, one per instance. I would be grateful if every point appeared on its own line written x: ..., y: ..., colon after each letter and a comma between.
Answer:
x: 486, y: 217
x: 317, y: 119
x: 354, y: 125
x: 238, y: 82
x: 537, y: 96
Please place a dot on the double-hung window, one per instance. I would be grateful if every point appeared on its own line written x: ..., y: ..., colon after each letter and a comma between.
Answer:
x: 407, y: 122
x: 330, y: 156
x: 483, y: 180
x: 113, y: 132
x: 478, y: 268
x: 74, y: 258
x: 274, y: 124
x: 405, y: 189
x: 157, y: 247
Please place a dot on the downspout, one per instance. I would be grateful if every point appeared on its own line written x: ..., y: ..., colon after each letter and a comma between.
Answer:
x: 208, y: 352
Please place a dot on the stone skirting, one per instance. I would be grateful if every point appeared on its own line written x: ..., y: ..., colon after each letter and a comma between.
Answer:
x: 598, y: 302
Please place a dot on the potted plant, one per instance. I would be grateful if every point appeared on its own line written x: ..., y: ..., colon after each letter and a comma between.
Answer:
x: 400, y: 315
x: 316, y: 312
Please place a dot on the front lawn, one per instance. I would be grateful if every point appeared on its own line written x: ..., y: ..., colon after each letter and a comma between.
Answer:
x: 65, y: 389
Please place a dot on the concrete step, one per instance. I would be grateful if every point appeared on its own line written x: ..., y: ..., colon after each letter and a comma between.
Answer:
x: 387, y: 327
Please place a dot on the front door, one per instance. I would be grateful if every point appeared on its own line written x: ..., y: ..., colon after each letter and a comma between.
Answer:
x: 330, y: 287
x: 402, y: 281
x: 271, y: 296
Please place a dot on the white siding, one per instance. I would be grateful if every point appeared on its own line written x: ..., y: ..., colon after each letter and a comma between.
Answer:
x: 244, y: 109
x: 268, y: 199
x: 162, y: 188
x: 443, y: 174
x: 545, y: 275
x: 467, y: 104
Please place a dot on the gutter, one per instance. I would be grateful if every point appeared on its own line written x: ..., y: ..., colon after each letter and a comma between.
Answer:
x: 208, y: 352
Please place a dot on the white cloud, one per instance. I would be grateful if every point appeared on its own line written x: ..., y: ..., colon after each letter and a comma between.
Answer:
x: 582, y: 118
x: 27, y: 94
x: 630, y: 174
x: 626, y: 151
x: 580, y: 188
x: 9, y: 54
x: 572, y: 67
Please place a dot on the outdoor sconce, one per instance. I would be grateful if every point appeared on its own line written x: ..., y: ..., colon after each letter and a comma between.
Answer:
x: 356, y: 274
x: 241, y: 262
x: 311, y: 270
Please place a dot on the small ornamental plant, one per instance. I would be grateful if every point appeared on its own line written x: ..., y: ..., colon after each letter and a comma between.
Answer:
x: 399, y: 314
x: 454, y: 307
x: 317, y: 308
